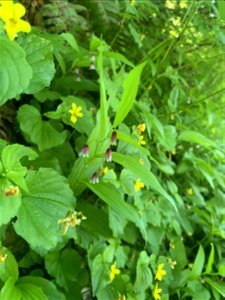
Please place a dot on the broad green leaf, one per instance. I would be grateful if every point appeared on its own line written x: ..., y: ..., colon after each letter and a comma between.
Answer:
x: 210, y: 260
x: 47, y: 286
x: 15, y: 71
x: 48, y: 200
x: 30, y: 291
x: 9, y: 204
x: 3, y: 143
x: 130, y: 89
x: 9, y: 291
x: 198, y: 264
x: 112, y: 197
x: 196, y: 137
x: 197, y: 290
x: 219, y: 287
x: 9, y: 267
x: 100, y: 272
x: 12, y: 154
x: 169, y: 138
x: 40, y: 57
x: 13, y: 170
x: 109, y: 293
x: 148, y: 178
x: 65, y: 266
x: 143, y: 273
x: 39, y: 132
x: 84, y: 124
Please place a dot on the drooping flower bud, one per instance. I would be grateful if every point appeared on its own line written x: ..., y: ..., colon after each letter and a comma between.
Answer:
x: 94, y: 178
x: 84, y: 151
x: 114, y: 138
x: 108, y: 155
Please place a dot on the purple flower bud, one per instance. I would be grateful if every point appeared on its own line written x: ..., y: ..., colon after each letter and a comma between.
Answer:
x: 94, y: 178
x: 84, y: 151
x: 108, y: 155
x: 114, y: 138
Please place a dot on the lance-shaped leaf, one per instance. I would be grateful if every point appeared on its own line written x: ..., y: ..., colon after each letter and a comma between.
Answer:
x: 130, y: 89
x: 112, y: 197
x: 148, y: 178
x: 48, y: 200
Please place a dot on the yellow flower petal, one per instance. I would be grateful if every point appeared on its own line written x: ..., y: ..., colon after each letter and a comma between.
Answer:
x: 19, y: 11
x: 73, y: 119
x: 6, y: 10
x: 160, y: 272
x: 138, y: 185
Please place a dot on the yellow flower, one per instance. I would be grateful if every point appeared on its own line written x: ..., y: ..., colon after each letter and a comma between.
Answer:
x: 11, y: 191
x: 160, y: 272
x: 141, y: 141
x: 113, y: 271
x: 156, y: 292
x: 11, y: 14
x: 72, y: 220
x: 3, y: 257
x: 172, y: 263
x: 75, y: 112
x: 138, y: 185
x: 176, y: 21
x: 183, y: 4
x: 141, y: 128
x: 190, y: 191
x: 170, y: 4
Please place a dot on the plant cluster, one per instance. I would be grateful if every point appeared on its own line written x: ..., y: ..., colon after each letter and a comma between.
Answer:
x: 112, y: 150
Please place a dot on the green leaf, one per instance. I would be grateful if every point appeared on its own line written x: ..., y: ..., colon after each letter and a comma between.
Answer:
x: 210, y: 260
x: 15, y: 72
x: 65, y: 266
x: 9, y: 205
x: 30, y: 291
x: 99, y: 274
x: 112, y: 197
x: 8, y: 268
x: 48, y: 200
x: 143, y: 273
x: 148, y: 178
x: 71, y: 40
x: 40, y: 57
x: 40, y: 132
x: 221, y: 6
x: 9, y: 291
x: 196, y: 137
x: 130, y: 89
x: 219, y: 287
x: 103, y: 121
x: 118, y: 56
x: 47, y: 286
x: 13, y: 170
x: 128, y: 139
x: 97, y: 220
x: 198, y: 264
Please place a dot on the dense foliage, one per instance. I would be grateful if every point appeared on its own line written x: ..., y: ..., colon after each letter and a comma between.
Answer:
x: 112, y: 150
